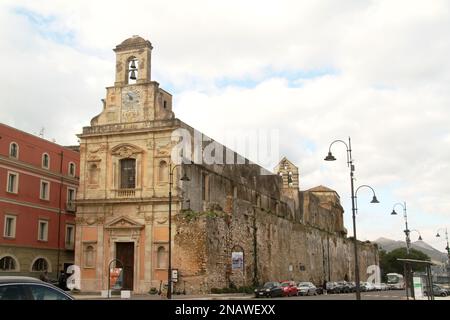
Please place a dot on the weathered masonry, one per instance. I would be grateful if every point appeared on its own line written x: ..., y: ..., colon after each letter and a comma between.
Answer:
x: 232, y: 226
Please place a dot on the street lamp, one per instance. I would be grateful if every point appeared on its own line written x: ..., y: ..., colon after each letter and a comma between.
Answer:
x: 420, y: 236
x: 169, y: 274
x: 446, y: 238
x: 406, y: 231
x: 330, y: 157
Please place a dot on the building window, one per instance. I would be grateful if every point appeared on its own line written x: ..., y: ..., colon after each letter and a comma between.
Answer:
x: 205, y: 187
x: 10, y: 226
x: 43, y: 230
x: 165, y: 104
x: 40, y: 265
x: 70, y: 195
x: 162, y: 172
x: 45, y: 161
x: 45, y: 190
x: 14, y: 150
x: 70, y: 235
x: 127, y: 173
x: 8, y: 263
x: 12, y: 184
x: 72, y: 169
x: 161, y: 258
x: 89, y: 257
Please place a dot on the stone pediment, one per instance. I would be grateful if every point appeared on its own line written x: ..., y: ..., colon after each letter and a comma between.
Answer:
x: 123, y: 223
x: 125, y: 150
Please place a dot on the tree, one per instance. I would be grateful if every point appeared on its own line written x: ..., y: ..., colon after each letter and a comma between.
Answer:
x: 390, y: 264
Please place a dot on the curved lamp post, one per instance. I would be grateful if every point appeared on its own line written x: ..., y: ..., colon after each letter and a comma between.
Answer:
x: 420, y: 236
x: 169, y: 272
x: 446, y: 238
x: 330, y: 157
x: 405, y: 216
x: 448, y: 250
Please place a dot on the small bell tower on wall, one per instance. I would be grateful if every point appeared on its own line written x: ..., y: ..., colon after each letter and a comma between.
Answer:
x: 289, y: 174
x: 133, y: 61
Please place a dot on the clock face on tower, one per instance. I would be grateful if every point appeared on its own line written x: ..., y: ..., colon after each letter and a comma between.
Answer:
x: 131, y: 101
x: 130, y: 98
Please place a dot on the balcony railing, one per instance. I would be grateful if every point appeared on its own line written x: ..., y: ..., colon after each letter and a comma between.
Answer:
x: 70, y: 246
x: 71, y: 206
x: 125, y: 193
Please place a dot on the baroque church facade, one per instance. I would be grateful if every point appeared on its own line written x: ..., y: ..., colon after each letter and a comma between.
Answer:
x: 231, y: 225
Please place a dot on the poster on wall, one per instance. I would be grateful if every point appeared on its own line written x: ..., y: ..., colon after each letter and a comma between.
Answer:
x: 237, y: 260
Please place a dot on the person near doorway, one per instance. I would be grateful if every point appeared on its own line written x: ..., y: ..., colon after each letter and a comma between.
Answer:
x: 62, y: 280
x: 44, y: 276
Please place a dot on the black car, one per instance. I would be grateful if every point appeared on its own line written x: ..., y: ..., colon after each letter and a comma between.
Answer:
x: 27, y: 288
x: 269, y: 289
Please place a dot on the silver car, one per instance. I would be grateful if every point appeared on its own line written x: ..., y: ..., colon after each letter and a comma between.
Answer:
x: 27, y: 288
x: 306, y: 289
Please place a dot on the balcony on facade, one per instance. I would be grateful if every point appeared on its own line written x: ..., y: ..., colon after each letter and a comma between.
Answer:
x: 71, y: 206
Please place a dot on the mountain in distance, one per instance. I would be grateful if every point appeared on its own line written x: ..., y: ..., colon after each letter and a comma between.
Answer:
x: 435, y: 255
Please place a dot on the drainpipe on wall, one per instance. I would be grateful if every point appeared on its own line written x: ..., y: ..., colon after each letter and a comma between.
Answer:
x: 255, y: 254
x: 60, y: 212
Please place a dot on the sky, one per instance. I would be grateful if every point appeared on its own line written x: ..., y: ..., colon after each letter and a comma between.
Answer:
x: 315, y: 71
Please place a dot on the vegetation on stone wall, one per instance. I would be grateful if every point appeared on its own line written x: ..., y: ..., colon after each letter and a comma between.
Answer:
x: 190, y: 214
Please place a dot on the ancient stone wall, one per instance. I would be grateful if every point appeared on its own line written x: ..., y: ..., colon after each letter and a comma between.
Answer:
x: 275, y: 249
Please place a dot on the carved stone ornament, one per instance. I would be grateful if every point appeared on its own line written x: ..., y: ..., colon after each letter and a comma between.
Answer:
x: 161, y: 220
x: 79, y: 220
x: 125, y: 151
x: 91, y: 220
x: 164, y: 150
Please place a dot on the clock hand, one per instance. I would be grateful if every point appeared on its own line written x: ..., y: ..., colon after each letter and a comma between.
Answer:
x: 130, y: 96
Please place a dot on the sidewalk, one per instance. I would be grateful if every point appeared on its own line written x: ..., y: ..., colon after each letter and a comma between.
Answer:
x: 98, y: 296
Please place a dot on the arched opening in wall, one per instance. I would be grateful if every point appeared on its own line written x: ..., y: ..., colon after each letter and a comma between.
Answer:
x: 72, y: 169
x: 40, y: 265
x: 93, y: 174
x: 128, y: 173
x: 132, y: 70
x: 89, y: 261
x: 163, y: 172
x: 8, y: 263
x: 161, y: 258
x: 14, y: 150
x: 45, y: 161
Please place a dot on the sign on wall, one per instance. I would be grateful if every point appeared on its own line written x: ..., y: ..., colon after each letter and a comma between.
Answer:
x: 237, y: 260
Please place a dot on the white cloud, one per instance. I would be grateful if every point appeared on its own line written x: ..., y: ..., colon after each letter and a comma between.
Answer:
x: 377, y: 71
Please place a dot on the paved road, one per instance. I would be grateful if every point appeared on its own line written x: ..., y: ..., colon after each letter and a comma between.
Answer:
x: 374, y: 295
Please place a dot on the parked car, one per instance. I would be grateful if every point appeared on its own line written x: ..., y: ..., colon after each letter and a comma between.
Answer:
x: 27, y: 288
x: 437, y: 291
x: 352, y: 286
x: 367, y: 286
x: 269, y: 289
x: 381, y: 286
x: 344, y: 287
x: 306, y: 289
x: 289, y: 288
x: 332, y: 287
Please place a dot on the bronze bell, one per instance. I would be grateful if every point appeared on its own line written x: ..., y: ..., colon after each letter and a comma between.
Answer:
x: 132, y: 65
x: 133, y: 75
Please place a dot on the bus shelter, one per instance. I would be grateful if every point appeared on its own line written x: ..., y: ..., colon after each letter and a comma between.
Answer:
x: 409, y: 287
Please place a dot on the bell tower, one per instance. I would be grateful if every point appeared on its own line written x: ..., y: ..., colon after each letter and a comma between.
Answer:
x: 133, y: 61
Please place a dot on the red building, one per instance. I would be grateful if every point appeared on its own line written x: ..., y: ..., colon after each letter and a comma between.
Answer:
x: 38, y: 184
